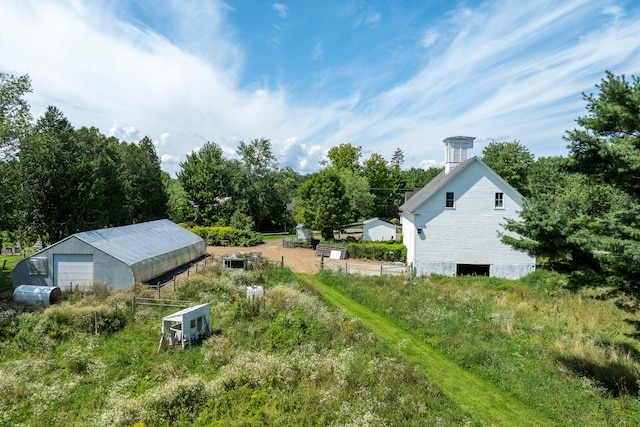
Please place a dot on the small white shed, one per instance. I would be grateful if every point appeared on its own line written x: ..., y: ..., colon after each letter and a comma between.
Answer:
x: 303, y: 232
x: 378, y: 229
x: 186, y: 326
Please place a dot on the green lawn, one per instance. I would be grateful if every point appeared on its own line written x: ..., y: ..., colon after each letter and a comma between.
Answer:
x: 5, y: 273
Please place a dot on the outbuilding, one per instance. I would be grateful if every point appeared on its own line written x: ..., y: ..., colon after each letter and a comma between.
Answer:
x: 117, y: 257
x: 186, y: 326
x: 303, y: 232
x: 453, y: 225
x: 378, y: 229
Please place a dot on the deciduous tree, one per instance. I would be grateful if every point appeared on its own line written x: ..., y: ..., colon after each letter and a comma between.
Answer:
x: 15, y: 115
x: 510, y: 160
x: 344, y: 156
x: 322, y: 203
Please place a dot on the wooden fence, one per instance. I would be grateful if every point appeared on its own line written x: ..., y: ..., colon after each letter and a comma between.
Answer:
x: 366, y: 269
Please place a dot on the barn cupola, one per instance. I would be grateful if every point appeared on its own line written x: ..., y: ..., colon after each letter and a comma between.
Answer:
x: 457, y: 150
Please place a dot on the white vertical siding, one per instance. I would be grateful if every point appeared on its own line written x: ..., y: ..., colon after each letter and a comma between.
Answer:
x: 468, y: 233
x: 378, y: 231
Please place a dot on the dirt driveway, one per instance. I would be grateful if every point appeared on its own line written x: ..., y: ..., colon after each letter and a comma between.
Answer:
x: 299, y: 260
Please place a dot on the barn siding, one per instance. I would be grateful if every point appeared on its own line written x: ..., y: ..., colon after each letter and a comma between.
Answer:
x: 467, y: 233
x: 106, y: 269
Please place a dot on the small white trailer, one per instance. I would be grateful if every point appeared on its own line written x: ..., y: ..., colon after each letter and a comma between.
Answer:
x: 186, y: 326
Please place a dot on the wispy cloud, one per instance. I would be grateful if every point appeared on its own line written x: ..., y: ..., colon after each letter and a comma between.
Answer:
x: 281, y: 9
x: 506, y: 69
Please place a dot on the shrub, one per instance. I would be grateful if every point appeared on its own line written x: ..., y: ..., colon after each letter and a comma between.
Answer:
x: 216, y: 236
x: 391, y: 251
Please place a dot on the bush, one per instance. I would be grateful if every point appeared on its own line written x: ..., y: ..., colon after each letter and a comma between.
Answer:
x: 216, y: 236
x: 391, y: 251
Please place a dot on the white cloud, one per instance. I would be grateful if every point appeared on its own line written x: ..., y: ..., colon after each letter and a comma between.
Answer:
x: 281, y: 9
x: 502, y: 68
x: 124, y: 132
x: 166, y: 158
x: 163, y: 140
x: 317, y: 52
x: 429, y: 38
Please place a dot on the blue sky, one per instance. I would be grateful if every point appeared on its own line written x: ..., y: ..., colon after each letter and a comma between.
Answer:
x: 311, y: 75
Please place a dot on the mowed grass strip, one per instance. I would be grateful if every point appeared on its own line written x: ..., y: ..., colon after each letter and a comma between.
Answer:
x: 483, y: 401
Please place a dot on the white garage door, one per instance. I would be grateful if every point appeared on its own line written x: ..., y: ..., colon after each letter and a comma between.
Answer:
x: 73, y: 269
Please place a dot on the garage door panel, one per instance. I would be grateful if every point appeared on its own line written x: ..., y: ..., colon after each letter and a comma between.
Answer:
x: 73, y: 269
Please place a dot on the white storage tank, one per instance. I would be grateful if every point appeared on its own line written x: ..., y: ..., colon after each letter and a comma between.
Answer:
x: 37, y: 295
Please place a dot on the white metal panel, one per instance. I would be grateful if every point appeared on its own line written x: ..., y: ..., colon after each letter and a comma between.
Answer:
x: 73, y: 269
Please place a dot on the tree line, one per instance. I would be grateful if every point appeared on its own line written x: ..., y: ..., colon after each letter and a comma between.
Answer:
x: 582, y: 212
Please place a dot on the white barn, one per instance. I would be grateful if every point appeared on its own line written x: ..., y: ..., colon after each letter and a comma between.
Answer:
x: 451, y: 225
x: 378, y: 229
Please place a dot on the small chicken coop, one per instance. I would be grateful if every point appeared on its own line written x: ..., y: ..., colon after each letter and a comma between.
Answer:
x: 186, y: 326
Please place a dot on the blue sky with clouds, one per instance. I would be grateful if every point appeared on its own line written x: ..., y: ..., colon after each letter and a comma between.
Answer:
x: 311, y: 75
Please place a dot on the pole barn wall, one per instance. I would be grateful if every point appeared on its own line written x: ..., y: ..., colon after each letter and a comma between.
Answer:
x: 106, y: 269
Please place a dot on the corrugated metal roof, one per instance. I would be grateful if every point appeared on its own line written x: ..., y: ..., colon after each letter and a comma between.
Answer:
x: 134, y: 243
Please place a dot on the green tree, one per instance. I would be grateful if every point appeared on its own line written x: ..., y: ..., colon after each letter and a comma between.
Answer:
x: 607, y: 147
x: 322, y: 203
x: 344, y: 156
x: 11, y: 200
x: 144, y: 182
x: 212, y: 184
x: 50, y: 176
x: 266, y: 188
x: 15, y: 124
x: 587, y: 219
x: 178, y: 207
x: 397, y: 159
x: 15, y: 115
x: 510, y: 160
x: 387, y: 185
x: 357, y: 189
x: 418, y: 178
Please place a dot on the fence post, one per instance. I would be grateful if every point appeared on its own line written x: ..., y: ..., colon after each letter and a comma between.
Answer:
x: 174, y: 283
x: 188, y: 270
x: 196, y: 268
x: 158, y: 286
x: 133, y: 306
x: 282, y: 262
x: 321, y: 262
x: 380, y: 270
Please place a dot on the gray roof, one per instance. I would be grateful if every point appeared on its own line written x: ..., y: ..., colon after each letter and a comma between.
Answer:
x: 369, y: 221
x: 134, y: 243
x: 442, y: 179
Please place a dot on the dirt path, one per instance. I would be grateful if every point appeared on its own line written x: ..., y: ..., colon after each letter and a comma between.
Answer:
x: 299, y: 260
x: 488, y: 404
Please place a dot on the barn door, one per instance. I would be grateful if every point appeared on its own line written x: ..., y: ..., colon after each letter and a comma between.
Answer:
x: 73, y: 269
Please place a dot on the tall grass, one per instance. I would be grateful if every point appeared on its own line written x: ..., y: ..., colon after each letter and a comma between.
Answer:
x: 567, y: 354
x: 292, y: 361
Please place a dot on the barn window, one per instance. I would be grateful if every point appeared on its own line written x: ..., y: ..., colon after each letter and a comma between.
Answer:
x: 449, y: 203
x: 38, y: 266
x: 499, y: 203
